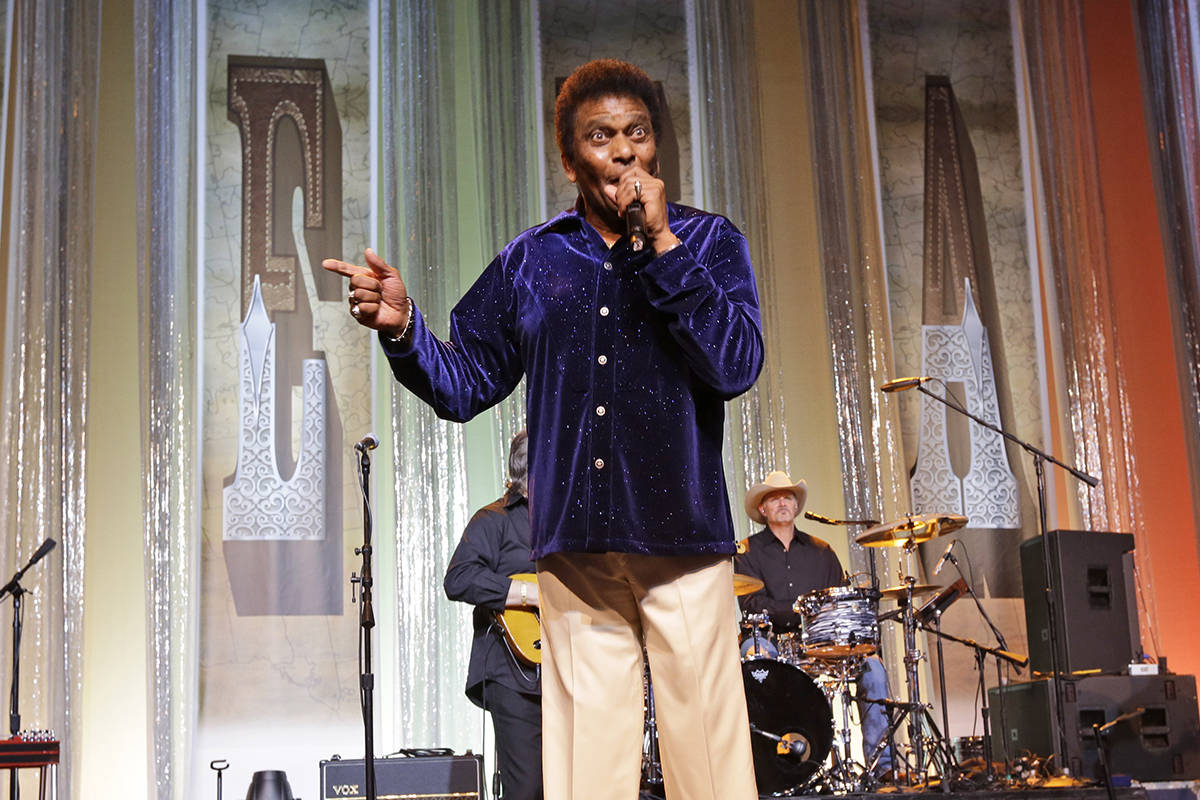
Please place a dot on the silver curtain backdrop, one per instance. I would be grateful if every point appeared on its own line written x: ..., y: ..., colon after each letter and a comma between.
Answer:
x: 164, y: 62
x: 49, y: 131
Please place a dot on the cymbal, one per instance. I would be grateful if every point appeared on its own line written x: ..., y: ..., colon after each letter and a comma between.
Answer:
x: 915, y: 529
x: 901, y: 591
x: 744, y: 584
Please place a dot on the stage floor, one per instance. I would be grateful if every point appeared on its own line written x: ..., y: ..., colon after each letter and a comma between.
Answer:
x: 1174, y: 790
x: 1171, y: 790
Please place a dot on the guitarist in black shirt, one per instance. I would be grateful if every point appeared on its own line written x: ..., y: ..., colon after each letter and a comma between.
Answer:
x: 494, y: 546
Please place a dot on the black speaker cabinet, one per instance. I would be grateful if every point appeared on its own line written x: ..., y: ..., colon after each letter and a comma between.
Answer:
x: 1092, y: 578
x: 418, y: 777
x: 1160, y: 744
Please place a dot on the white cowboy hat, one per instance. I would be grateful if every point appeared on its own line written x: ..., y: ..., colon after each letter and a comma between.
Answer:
x: 775, y: 482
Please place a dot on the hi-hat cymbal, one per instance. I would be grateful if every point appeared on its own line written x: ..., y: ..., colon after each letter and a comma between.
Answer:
x: 901, y: 591
x: 910, y: 530
x: 744, y: 584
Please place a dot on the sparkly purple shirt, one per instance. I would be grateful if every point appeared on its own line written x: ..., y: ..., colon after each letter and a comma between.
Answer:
x: 629, y: 360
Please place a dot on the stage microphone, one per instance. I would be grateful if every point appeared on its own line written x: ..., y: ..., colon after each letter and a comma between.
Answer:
x: 368, y: 442
x: 945, y: 557
x: 900, y: 384
x: 635, y: 225
x: 46, y: 547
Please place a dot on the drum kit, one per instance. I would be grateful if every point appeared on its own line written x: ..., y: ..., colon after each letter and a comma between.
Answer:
x: 795, y: 680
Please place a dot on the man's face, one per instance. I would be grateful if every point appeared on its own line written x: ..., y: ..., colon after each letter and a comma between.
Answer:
x: 779, y: 508
x: 612, y: 135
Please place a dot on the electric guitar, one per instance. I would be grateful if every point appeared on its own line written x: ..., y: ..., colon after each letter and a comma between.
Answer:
x: 522, y: 628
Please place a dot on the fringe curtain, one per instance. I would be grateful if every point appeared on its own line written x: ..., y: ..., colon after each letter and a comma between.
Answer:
x: 722, y: 52
x: 422, y: 234
x: 46, y: 216
x: 1060, y: 107
x: 165, y: 50
x: 874, y: 476
x: 1169, y: 48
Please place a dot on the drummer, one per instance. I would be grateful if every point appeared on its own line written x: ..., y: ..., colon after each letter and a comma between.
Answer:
x: 792, y: 563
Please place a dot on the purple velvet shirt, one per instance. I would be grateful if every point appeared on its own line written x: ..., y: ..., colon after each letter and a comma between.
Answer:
x: 629, y: 361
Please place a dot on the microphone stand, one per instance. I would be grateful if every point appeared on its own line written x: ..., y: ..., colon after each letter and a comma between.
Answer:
x: 366, y: 623
x: 14, y: 588
x: 1039, y: 459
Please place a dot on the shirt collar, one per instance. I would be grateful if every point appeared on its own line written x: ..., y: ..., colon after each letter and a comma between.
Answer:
x: 513, y: 498
x: 798, y: 537
x: 571, y: 219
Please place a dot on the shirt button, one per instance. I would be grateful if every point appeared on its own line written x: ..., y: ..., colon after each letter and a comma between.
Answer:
x: 599, y: 411
x: 599, y: 462
x: 601, y: 360
x: 608, y: 265
x: 604, y: 311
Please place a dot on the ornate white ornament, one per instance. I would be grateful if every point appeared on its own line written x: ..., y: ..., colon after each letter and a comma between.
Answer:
x: 259, y: 504
x: 987, y: 494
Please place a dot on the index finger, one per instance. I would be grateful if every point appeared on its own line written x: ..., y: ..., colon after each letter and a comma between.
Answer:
x: 345, y: 268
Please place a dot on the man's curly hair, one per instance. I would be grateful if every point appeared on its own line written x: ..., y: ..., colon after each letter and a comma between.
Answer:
x: 601, y: 78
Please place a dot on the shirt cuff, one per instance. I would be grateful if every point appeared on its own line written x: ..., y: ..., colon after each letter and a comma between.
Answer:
x: 402, y: 346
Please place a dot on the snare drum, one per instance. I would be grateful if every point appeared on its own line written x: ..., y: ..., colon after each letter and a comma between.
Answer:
x: 838, y: 622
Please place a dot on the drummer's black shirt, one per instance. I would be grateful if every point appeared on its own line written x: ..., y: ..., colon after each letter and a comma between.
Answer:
x: 808, y: 564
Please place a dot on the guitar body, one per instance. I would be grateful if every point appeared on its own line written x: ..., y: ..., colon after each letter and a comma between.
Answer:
x: 522, y: 628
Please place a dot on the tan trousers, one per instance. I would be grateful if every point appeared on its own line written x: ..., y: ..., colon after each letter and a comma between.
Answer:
x: 597, y: 610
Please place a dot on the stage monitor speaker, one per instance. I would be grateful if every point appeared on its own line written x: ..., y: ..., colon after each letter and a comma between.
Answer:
x: 1160, y: 744
x: 417, y: 777
x: 1091, y: 574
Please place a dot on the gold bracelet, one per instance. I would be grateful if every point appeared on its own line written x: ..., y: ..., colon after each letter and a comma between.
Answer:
x: 524, y: 593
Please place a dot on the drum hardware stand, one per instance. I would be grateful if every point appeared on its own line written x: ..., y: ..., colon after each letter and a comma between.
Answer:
x: 1003, y: 647
x: 1039, y: 459
x: 651, y: 763
x: 847, y: 775
x: 218, y: 766
x: 1101, y: 734
x: 918, y: 713
x: 937, y: 624
x: 981, y: 652
x: 366, y: 619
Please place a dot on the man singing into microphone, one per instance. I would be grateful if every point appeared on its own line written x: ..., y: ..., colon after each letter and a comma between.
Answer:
x: 629, y: 356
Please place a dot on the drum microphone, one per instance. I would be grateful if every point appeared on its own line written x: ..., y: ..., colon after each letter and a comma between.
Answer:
x: 900, y: 384
x: 635, y: 225
x: 945, y: 557
x: 368, y: 442
x: 797, y: 747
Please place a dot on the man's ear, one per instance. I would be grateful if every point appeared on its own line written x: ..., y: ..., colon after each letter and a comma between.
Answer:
x: 568, y: 168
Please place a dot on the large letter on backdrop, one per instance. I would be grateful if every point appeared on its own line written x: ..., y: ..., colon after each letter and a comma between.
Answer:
x: 281, y: 535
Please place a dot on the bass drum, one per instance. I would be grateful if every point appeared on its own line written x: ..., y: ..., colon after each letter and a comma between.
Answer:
x: 785, y: 704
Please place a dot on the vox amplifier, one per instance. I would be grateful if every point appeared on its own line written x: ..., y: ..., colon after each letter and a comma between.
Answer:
x: 416, y: 777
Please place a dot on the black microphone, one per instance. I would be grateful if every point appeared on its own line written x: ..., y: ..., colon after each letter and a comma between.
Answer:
x: 46, y: 547
x: 945, y: 557
x: 15, y: 582
x: 368, y: 442
x: 900, y: 384
x: 635, y: 225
